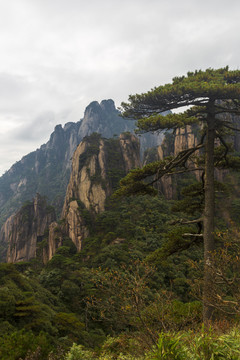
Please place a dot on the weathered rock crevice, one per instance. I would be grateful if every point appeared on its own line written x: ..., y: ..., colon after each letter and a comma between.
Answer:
x: 98, y: 164
x: 26, y: 229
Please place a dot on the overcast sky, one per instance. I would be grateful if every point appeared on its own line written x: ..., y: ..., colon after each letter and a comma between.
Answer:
x: 56, y: 56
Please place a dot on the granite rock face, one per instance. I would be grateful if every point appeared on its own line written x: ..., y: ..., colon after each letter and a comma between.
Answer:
x: 54, y: 241
x: 186, y: 138
x: 25, y: 229
x: 98, y: 164
x: 47, y: 170
x: 4, y: 235
x: 103, y: 118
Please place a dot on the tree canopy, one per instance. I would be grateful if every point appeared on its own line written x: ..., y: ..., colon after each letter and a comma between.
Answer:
x: 210, y: 94
x: 197, y: 88
x: 208, y: 98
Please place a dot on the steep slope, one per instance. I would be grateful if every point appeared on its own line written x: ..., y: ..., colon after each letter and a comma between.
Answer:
x: 47, y: 170
x: 98, y: 165
x: 25, y: 229
x: 182, y: 139
x: 103, y: 119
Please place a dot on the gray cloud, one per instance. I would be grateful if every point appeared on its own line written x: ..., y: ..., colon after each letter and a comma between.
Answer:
x: 58, y: 55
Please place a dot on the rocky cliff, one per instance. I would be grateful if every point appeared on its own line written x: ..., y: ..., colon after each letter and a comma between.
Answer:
x: 24, y: 230
x: 185, y: 138
x: 47, y: 170
x: 98, y: 165
x: 172, y: 144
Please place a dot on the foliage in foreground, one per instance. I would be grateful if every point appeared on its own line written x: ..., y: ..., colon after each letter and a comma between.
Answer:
x: 203, y: 345
x: 106, y: 290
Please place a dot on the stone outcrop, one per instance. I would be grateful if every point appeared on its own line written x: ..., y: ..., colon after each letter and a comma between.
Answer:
x: 47, y: 170
x: 24, y: 230
x: 4, y: 235
x: 103, y: 118
x: 55, y: 240
x: 165, y: 184
x: 184, y: 138
x: 98, y: 164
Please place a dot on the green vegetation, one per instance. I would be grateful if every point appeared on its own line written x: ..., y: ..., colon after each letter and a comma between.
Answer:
x: 203, y: 345
x: 114, y: 162
x: 137, y: 288
x: 109, y: 302
x: 47, y: 170
x: 208, y: 95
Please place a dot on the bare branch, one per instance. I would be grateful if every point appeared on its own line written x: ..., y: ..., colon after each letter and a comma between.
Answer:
x: 226, y: 301
x: 193, y: 235
x: 186, y: 222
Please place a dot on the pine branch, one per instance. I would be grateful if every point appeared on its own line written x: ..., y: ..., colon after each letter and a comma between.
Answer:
x: 179, y: 160
x: 229, y: 127
x: 228, y: 111
x: 187, y: 170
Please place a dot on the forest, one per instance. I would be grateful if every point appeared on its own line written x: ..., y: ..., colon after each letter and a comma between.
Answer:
x: 156, y: 278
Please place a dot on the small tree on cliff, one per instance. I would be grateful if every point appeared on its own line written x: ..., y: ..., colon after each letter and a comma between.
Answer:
x: 210, y: 97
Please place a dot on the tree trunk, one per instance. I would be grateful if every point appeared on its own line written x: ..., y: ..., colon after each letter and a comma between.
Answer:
x: 208, y: 220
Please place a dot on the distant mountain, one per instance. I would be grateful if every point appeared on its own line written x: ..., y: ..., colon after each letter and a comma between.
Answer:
x: 98, y: 165
x: 47, y: 170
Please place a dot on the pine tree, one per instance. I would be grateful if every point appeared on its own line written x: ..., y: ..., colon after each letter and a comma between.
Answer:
x: 209, y: 98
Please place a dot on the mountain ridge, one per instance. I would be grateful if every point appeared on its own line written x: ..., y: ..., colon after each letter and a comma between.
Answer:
x: 47, y: 170
x: 97, y: 166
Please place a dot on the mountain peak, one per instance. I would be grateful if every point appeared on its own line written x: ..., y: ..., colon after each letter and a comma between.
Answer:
x: 108, y: 105
x: 96, y: 107
x: 93, y: 107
